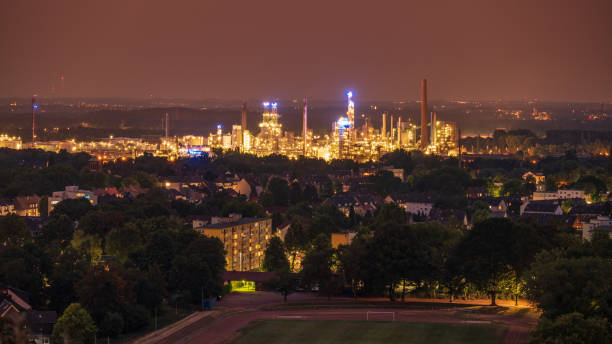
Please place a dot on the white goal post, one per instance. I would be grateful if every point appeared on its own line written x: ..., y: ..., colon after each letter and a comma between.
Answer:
x: 372, y: 313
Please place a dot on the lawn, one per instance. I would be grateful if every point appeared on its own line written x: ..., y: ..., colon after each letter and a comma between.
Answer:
x: 362, y: 332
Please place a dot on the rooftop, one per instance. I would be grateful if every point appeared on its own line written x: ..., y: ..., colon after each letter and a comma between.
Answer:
x: 242, y: 221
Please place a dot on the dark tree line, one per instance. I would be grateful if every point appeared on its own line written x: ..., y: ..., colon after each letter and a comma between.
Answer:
x: 120, y: 261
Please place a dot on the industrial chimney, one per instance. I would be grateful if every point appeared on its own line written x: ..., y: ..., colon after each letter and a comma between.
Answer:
x: 305, y: 123
x: 424, y: 129
x: 383, y: 130
x: 244, y: 116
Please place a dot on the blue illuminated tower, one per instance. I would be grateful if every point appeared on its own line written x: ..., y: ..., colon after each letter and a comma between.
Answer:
x: 34, y: 108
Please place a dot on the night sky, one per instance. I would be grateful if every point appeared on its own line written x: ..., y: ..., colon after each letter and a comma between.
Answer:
x: 511, y: 50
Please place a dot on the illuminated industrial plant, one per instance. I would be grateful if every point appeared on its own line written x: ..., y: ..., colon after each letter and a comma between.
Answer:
x: 346, y: 140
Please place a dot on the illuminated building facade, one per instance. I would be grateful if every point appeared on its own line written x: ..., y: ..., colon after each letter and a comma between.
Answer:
x: 244, y: 239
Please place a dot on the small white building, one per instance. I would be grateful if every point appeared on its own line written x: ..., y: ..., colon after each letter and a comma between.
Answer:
x: 413, y: 203
x: 604, y: 222
x: 559, y: 194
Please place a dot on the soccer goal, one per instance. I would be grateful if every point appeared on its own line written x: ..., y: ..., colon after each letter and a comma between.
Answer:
x: 380, y: 316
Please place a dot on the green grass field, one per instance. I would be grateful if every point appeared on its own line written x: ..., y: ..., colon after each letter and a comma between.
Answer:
x: 362, y: 332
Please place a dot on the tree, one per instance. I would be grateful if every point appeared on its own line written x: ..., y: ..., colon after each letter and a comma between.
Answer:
x: 310, y: 193
x: 430, y: 245
x: 296, y: 240
x: 14, y: 232
x: 487, y: 254
x: 524, y: 249
x: 479, y: 211
x: 200, y: 268
x: 88, y: 244
x: 572, y: 328
x: 279, y: 189
x: 286, y: 283
x: 389, y: 212
x: 121, y: 241
x: 75, y: 326
x: 102, y: 292
x: 388, y: 258
x: 295, y: 194
x: 317, y: 266
x: 513, y: 187
x: 73, y: 208
x: 159, y: 250
x: 24, y: 268
x: 275, y: 258
x: 59, y: 229
x: 322, y: 224
x: 100, y: 222
x: 43, y: 206
x: 67, y: 272
x: 566, y: 285
x: 352, y: 260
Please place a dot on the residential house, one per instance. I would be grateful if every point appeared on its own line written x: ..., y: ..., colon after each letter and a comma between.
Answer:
x: 345, y: 238
x: 595, y: 209
x: 539, y: 178
x: 498, y: 206
x: 541, y: 207
x: 397, y: 172
x: 27, y: 205
x: 40, y: 325
x: 362, y: 203
x: 420, y: 204
x: 476, y: 192
x: 451, y: 217
x: 6, y: 207
x: 14, y: 304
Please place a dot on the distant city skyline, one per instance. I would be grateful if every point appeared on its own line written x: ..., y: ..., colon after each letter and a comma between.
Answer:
x: 508, y: 50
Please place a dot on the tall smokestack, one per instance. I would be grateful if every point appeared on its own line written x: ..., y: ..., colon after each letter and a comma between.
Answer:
x: 244, y: 116
x: 391, y: 122
x: 34, y: 107
x: 167, y: 131
x: 305, y: 123
x: 383, y: 130
x: 424, y: 130
x: 399, y: 131
x: 62, y: 85
x: 434, y: 119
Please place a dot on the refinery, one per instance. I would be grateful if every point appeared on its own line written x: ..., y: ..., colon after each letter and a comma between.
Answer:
x: 345, y: 140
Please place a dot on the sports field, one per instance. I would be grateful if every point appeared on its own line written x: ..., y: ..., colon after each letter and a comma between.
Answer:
x: 366, y: 332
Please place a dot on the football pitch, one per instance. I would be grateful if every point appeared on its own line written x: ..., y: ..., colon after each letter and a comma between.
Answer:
x: 367, y: 332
